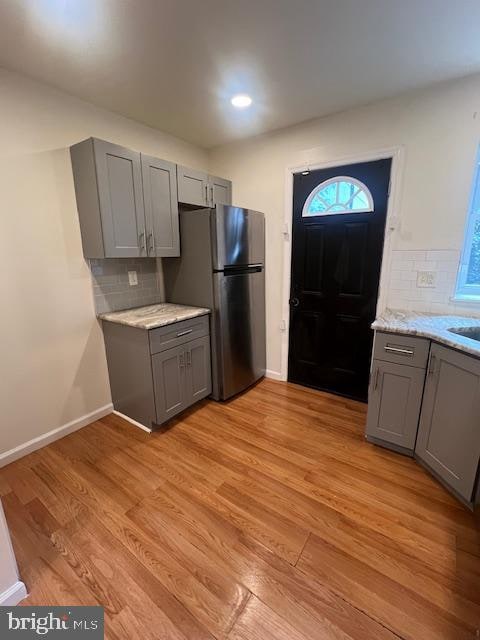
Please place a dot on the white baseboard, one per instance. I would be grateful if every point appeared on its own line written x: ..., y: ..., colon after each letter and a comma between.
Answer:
x: 51, y: 436
x: 274, y: 375
x: 13, y: 595
x: 132, y: 421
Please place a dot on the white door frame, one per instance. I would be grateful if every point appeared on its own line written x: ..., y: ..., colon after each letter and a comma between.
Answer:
x: 397, y: 154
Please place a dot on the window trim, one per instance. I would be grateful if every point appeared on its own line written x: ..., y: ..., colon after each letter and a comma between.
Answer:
x: 358, y: 183
x: 463, y: 291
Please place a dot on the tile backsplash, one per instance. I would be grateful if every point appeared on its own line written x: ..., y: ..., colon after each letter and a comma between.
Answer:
x: 425, y: 281
x: 111, y: 288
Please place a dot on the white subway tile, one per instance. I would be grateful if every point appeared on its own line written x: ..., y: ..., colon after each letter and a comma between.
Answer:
x: 425, y: 266
x: 400, y: 285
x: 442, y: 255
x: 447, y: 265
x: 402, y: 266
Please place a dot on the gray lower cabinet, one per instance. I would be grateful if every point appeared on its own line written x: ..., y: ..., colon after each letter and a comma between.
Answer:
x: 169, y: 381
x: 449, y: 433
x: 199, y: 189
x: 198, y: 371
x: 127, y: 202
x: 396, y: 388
x: 394, y: 403
x: 181, y: 377
x: 156, y: 374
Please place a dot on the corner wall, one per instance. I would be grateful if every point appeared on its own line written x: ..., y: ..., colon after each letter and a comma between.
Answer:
x: 52, y: 359
x: 438, y: 128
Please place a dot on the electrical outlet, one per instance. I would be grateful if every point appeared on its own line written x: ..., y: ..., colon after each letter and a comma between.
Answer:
x: 132, y: 278
x: 426, y: 279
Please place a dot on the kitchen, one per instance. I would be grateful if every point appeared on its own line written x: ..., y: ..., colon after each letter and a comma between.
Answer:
x: 279, y: 479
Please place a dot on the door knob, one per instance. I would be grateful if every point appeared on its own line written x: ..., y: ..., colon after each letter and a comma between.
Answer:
x: 294, y: 302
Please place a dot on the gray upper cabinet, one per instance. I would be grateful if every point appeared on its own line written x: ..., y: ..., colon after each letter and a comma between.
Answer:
x: 161, y: 207
x: 192, y: 187
x: 127, y: 202
x: 449, y: 434
x: 198, y: 189
x: 108, y: 187
x: 394, y: 403
x: 220, y: 190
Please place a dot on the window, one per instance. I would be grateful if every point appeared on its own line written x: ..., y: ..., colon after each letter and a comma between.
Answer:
x: 338, y: 195
x: 468, y: 282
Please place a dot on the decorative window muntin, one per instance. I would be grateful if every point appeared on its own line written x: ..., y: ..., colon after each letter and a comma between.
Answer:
x: 338, y: 195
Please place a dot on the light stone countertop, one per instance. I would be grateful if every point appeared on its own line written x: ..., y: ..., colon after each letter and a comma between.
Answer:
x: 155, y: 315
x: 430, y: 326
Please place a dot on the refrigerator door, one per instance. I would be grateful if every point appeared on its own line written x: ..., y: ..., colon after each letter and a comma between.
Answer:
x: 239, y: 318
x: 238, y: 237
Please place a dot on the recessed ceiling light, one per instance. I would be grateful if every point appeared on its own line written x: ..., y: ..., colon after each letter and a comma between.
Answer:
x: 241, y: 101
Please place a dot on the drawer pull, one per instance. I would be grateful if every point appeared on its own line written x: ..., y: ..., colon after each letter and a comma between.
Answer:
x: 184, y: 333
x: 403, y: 352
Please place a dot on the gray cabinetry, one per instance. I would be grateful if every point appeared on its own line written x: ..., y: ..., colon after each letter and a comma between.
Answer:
x: 108, y: 187
x: 156, y: 374
x: 127, y: 203
x: 192, y: 187
x: 161, y: 207
x: 396, y: 389
x: 449, y: 434
x: 221, y: 190
x: 395, y: 399
x: 198, y: 369
x: 169, y: 383
x: 199, y: 189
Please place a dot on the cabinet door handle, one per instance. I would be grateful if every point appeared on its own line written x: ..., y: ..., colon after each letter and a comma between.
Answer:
x: 403, y: 352
x: 182, y: 359
x: 377, y: 374
x: 142, y: 241
x: 431, y: 366
x: 206, y: 194
x: 211, y: 196
x: 189, y: 358
x: 151, y: 236
x: 184, y: 333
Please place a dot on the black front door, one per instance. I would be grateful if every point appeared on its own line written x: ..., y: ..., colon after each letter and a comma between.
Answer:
x: 337, y: 244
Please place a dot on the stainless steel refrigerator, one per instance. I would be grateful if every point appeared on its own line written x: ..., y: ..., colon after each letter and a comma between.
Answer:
x: 222, y: 267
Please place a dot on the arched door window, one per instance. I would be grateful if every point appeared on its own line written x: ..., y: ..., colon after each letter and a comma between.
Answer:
x: 341, y: 194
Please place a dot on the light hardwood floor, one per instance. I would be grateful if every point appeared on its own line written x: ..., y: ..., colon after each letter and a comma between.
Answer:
x: 266, y: 518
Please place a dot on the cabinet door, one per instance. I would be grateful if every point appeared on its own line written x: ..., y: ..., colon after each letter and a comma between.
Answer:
x: 449, y: 433
x: 192, y: 187
x: 220, y: 191
x: 169, y: 383
x: 161, y: 207
x: 119, y: 181
x: 394, y: 403
x: 198, y: 372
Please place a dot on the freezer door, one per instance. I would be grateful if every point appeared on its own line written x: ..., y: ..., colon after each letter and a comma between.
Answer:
x: 238, y: 237
x: 239, y: 318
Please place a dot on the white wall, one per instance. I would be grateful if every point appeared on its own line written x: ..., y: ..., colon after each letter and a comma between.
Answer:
x: 439, y: 129
x: 52, y: 359
x: 11, y: 589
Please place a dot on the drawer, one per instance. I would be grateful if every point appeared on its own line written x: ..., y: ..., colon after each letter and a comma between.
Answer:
x: 392, y: 347
x: 178, y: 333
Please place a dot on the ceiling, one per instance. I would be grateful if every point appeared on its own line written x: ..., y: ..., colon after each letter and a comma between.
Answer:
x: 174, y: 64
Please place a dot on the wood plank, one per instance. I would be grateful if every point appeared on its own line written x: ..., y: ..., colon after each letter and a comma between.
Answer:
x: 268, y: 516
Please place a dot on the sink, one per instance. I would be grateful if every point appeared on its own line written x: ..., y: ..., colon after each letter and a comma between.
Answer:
x: 467, y: 332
